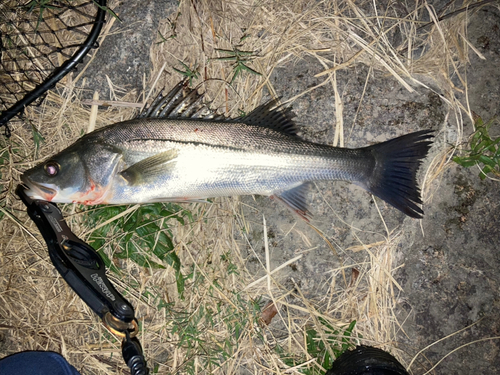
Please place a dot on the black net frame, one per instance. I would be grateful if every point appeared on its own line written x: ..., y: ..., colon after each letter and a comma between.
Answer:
x: 40, y: 42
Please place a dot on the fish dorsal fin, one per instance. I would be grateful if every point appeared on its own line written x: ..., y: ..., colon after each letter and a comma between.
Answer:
x: 148, y: 169
x: 295, y: 200
x: 181, y: 101
x: 272, y: 116
x: 184, y: 102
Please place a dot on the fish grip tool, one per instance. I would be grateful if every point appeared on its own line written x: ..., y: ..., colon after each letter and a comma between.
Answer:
x: 84, y: 270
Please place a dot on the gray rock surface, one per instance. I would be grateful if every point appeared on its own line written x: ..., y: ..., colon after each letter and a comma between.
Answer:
x: 124, y: 55
x: 451, y: 276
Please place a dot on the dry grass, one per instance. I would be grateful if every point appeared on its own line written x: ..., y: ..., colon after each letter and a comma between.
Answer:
x: 217, y: 327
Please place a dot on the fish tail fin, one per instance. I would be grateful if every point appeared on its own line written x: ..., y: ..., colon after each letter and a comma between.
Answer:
x: 394, y: 177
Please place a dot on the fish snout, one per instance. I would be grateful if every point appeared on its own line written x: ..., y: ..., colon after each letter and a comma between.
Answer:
x: 36, y: 190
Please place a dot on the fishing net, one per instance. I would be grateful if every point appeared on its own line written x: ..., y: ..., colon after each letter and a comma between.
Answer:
x: 40, y: 42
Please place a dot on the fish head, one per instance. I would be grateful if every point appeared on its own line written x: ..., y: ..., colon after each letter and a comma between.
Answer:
x: 79, y: 174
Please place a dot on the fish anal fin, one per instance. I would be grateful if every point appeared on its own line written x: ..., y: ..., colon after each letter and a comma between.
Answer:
x: 150, y: 168
x: 295, y: 200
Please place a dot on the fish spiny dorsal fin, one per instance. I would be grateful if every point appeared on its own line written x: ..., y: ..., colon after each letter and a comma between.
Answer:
x: 162, y: 102
x: 272, y: 116
x: 181, y: 101
x: 184, y: 102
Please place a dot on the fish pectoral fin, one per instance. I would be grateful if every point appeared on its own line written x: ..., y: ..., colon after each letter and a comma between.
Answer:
x: 150, y: 168
x: 295, y: 200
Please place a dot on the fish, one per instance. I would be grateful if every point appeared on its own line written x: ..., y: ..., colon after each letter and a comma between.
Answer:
x: 178, y: 150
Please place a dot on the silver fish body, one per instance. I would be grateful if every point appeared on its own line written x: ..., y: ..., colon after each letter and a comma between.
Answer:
x: 212, y: 159
x: 158, y: 159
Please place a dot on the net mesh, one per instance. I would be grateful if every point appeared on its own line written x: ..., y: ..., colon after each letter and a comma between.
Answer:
x: 36, y: 38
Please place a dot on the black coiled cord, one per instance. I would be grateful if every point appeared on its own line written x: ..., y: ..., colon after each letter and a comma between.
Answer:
x: 132, y: 354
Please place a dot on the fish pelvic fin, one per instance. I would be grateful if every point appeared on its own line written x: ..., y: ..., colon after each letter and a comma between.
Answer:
x: 295, y: 200
x: 150, y: 168
x: 394, y: 177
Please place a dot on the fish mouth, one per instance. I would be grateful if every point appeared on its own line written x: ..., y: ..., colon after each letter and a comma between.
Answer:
x: 38, y: 191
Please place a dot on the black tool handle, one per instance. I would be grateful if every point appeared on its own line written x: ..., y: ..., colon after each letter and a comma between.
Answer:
x: 84, y: 270
x: 77, y: 262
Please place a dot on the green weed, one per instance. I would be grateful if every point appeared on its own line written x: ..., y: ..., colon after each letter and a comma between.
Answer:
x: 233, y: 321
x: 241, y: 59
x: 42, y: 5
x: 173, y: 29
x: 231, y: 267
x: 38, y: 139
x: 143, y: 236
x: 209, y: 329
x: 316, y: 347
x: 484, y: 150
x: 4, y: 160
x: 108, y: 10
x: 188, y: 72
x: 164, y: 39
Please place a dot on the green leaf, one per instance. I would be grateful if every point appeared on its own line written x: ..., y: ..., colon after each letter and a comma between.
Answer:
x: 188, y: 73
x: 142, y: 236
x: 134, y: 254
x: 108, y: 10
x: 464, y: 162
x: 484, y: 150
x: 486, y: 160
x: 487, y: 169
x: 37, y: 139
x: 481, y: 146
x: 347, y: 335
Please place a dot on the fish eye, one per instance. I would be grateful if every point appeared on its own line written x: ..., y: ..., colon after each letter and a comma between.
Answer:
x: 51, y: 168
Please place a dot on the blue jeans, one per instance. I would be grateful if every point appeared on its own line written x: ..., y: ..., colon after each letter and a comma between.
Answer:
x: 36, y: 363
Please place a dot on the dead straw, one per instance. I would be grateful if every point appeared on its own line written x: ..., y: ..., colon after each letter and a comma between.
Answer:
x: 216, y: 327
